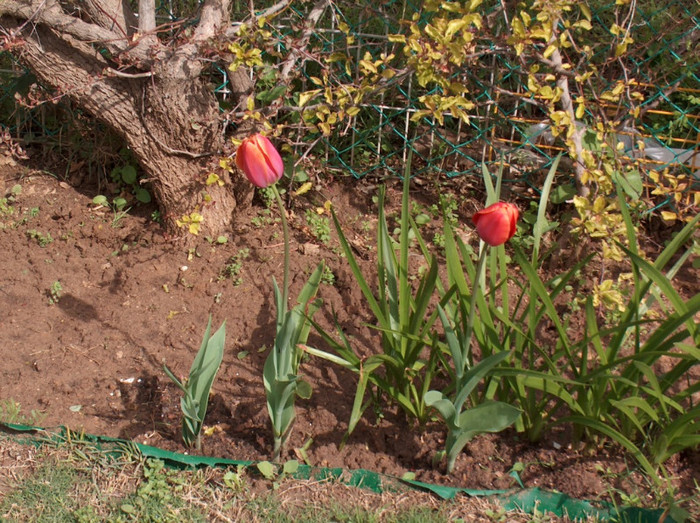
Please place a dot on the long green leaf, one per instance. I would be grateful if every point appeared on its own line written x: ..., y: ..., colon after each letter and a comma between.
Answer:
x: 543, y: 294
x: 474, y: 375
x: 541, y: 223
x: 619, y: 438
x: 443, y: 405
x: 357, y: 272
x: 663, y: 283
x: 205, y: 366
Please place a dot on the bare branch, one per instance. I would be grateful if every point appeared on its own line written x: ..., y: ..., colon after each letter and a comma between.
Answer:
x: 311, y: 21
x: 114, y: 15
x: 113, y: 72
x: 577, y: 136
x: 49, y: 13
x: 267, y: 13
x: 273, y: 10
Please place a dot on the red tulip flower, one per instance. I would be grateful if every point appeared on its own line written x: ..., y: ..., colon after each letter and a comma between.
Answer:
x: 260, y: 161
x: 496, y: 224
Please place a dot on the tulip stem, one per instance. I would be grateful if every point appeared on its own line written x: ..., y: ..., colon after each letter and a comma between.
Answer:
x: 285, y: 232
x: 477, y: 286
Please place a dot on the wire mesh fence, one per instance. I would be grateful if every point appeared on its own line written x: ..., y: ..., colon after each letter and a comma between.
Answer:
x: 660, y: 130
x: 506, y: 121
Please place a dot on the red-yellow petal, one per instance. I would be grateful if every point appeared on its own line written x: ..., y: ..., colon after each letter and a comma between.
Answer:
x: 259, y: 160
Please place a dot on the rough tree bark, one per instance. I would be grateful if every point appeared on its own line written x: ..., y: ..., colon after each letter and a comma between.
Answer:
x: 110, y: 62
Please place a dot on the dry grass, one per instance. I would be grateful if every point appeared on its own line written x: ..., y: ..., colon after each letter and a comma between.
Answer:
x: 78, y: 481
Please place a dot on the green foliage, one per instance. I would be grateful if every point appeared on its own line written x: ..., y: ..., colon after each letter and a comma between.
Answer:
x: 608, y: 382
x: 457, y: 312
x: 126, y: 178
x: 275, y: 473
x: 234, y: 265
x: 280, y: 373
x: 45, y: 496
x: 42, y: 239
x: 327, y: 278
x: 198, y: 385
x: 401, y: 317
x: 319, y: 226
x: 11, y: 412
x: 158, y: 497
x: 463, y: 424
x: 55, y: 292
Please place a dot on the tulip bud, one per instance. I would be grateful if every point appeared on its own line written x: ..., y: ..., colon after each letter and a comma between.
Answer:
x: 496, y: 224
x: 260, y: 161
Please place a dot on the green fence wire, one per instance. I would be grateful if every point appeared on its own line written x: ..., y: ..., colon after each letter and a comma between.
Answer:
x: 506, y: 126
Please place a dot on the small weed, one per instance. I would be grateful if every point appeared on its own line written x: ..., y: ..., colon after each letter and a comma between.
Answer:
x: 327, y: 276
x: 118, y: 217
x: 219, y: 240
x: 320, y: 226
x: 11, y: 412
x: 6, y: 208
x: 55, y: 292
x: 158, y: 497
x: 156, y: 217
x: 446, y: 208
x: 263, y: 219
x: 267, y: 195
x: 42, y: 239
x: 28, y: 215
x: 366, y: 226
x: 274, y: 473
x: 233, y: 267
x: 236, y: 480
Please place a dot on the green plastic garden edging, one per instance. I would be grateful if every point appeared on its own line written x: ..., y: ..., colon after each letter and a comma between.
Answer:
x: 527, y: 500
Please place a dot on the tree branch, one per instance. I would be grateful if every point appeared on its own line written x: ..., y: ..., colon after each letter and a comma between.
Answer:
x: 113, y: 15
x: 267, y: 13
x: 310, y: 24
x: 147, y: 16
x: 49, y: 12
x: 214, y: 17
x: 567, y: 105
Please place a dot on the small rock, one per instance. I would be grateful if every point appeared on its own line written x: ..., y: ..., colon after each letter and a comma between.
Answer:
x: 309, y: 248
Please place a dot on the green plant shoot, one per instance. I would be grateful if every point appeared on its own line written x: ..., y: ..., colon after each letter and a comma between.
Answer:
x: 402, y: 317
x: 464, y: 424
x: 198, y: 385
x: 280, y: 378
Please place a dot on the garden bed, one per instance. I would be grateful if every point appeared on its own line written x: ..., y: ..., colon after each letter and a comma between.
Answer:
x: 96, y: 302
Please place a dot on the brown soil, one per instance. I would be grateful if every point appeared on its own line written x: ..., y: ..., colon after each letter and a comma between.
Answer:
x: 133, y: 299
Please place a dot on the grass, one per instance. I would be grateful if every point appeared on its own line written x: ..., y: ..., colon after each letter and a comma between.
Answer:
x: 77, y: 481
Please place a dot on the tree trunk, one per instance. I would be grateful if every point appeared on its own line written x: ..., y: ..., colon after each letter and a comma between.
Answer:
x: 166, y: 114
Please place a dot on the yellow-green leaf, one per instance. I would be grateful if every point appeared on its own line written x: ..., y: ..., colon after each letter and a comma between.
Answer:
x: 303, y: 189
x: 669, y: 216
x: 550, y: 50
x: 585, y: 11
x: 454, y: 26
x: 306, y: 96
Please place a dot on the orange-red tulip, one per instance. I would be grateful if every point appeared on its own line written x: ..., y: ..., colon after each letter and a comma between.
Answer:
x: 259, y: 160
x: 496, y: 224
